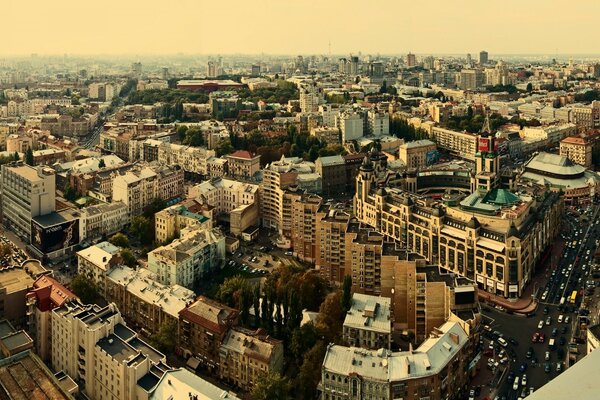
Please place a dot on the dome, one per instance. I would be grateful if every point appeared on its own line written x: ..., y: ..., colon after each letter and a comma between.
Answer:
x: 473, y: 223
x: 513, y: 231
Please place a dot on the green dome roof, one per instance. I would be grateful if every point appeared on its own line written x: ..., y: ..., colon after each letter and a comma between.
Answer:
x: 500, y: 197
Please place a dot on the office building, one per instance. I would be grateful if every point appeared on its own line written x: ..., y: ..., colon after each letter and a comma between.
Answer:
x: 351, y: 126
x: 577, y: 149
x: 242, y: 164
x: 145, y: 303
x: 411, y: 60
x: 470, y: 79
x: 169, y: 222
x: 368, y: 323
x: 188, y: 258
x: 203, y: 326
x: 459, y: 144
x: 27, y: 192
x: 246, y: 356
x: 483, y: 57
x: 417, y: 154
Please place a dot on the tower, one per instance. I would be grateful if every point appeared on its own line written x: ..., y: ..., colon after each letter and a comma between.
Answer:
x: 488, y: 164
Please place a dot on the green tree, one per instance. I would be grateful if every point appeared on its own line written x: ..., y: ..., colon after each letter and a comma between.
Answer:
x: 224, y: 147
x: 165, y: 339
x: 101, y: 164
x: 347, y: 293
x: 383, y: 88
x: 128, y: 258
x: 69, y: 192
x: 16, y: 156
x: 272, y: 386
x: 331, y: 317
x: 181, y: 132
x: 302, y: 340
x: 256, y: 304
x: 141, y: 228
x: 120, y: 240
x: 529, y: 87
x: 29, y: 157
x: 85, y: 289
x: 310, y: 372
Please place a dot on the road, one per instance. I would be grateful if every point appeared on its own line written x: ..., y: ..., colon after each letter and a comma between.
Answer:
x: 571, y: 273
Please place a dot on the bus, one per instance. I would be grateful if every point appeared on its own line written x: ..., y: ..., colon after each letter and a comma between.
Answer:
x: 573, y: 297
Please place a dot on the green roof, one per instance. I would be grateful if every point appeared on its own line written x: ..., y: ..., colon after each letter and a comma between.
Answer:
x: 500, y: 197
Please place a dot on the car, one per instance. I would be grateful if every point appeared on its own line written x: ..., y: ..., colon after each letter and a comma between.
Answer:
x: 524, y: 380
x: 523, y: 392
x: 554, y: 331
x: 558, y: 366
x: 542, y: 337
x: 531, y: 390
x: 560, y: 319
x: 487, y: 328
x: 523, y: 367
x: 545, y: 310
x: 516, y: 383
x: 548, y: 320
x: 541, y: 324
x: 471, y: 394
x: 567, y: 319
x: 529, y: 353
x: 513, y: 341
x: 535, y: 338
x: 288, y: 253
x: 547, y: 367
x: 547, y: 356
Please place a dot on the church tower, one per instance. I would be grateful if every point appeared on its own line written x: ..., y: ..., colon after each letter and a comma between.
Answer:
x: 487, y: 175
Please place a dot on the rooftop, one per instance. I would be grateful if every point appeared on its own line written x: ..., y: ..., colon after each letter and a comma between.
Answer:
x: 369, y: 313
x: 17, y: 278
x: 180, y: 383
x: 554, y: 164
x: 252, y: 344
x: 99, y: 254
x: 210, y: 314
x: 417, y: 143
x: 243, y: 154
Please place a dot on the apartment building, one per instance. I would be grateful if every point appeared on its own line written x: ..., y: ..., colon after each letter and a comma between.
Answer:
x: 177, y: 381
x: 417, y: 154
x: 586, y: 116
x: 351, y: 126
x: 94, y: 346
x: 146, y: 304
x: 103, y: 220
x: 242, y: 164
x: 470, y: 79
x: 45, y: 295
x: 203, y: 326
x: 27, y: 192
x: 192, y: 256
x: 311, y: 96
x: 577, y: 149
x: 304, y: 214
x: 190, y: 159
x: 96, y: 261
x: 378, y: 123
x: 463, y: 145
x: 437, y: 369
x: 328, y: 134
x: 138, y: 187
x: 331, y: 225
x: 333, y: 173
x: 368, y: 323
x: 169, y: 222
x: 247, y: 355
x: 15, y: 282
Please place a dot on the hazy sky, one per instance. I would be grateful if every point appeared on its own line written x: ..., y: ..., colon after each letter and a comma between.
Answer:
x: 299, y: 26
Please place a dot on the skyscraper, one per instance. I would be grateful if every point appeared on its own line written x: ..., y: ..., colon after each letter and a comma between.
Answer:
x: 411, y: 60
x: 483, y: 57
x: 211, y: 69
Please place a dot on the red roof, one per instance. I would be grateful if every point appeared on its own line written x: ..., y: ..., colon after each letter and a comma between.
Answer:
x: 242, y: 154
x: 50, y: 293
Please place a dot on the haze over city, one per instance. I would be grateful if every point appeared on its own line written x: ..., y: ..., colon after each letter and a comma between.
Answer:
x: 299, y: 27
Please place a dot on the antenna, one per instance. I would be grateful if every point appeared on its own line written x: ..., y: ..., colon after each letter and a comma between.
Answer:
x: 330, y: 49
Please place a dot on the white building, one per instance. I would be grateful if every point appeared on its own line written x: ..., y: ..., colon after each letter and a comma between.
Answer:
x: 103, y: 220
x: 191, y: 257
x: 225, y: 195
x: 379, y: 123
x: 368, y: 323
x: 310, y: 97
x: 96, y: 261
x: 351, y: 126
x: 27, y: 192
x: 191, y: 159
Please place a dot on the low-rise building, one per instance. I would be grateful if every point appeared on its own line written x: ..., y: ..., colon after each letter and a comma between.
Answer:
x: 242, y: 164
x: 15, y: 282
x: 169, y: 222
x: 577, y: 149
x: 327, y: 134
x: 188, y: 258
x: 418, y: 153
x: 103, y: 220
x: 203, y: 326
x: 368, y: 323
x: 97, y: 260
x: 176, y: 383
x: 246, y: 356
x: 146, y: 304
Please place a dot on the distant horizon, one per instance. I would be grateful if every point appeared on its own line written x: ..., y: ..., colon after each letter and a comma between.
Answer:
x: 236, y: 27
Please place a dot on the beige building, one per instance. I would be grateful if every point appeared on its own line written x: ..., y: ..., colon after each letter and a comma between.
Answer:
x: 147, y: 304
x: 414, y: 154
x: 245, y: 356
x: 436, y: 370
x: 203, y: 326
x: 93, y: 345
x: 96, y: 261
x: 169, y: 222
x: 190, y: 159
x: 331, y: 227
x: 333, y: 173
x: 138, y: 187
x: 463, y: 145
x: 304, y: 214
x: 27, y: 192
x: 327, y: 134
x: 188, y: 258
x: 368, y: 323
x: 242, y: 164
x: 577, y: 149
x: 236, y: 201
x: 45, y: 295
x: 103, y: 220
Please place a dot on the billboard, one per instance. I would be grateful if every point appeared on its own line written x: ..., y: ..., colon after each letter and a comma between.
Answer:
x: 48, y: 239
x: 484, y: 145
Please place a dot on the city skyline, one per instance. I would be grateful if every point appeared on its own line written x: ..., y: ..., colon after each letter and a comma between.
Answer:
x: 306, y: 27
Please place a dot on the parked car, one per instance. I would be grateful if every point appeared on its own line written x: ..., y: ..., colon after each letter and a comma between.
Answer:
x: 541, y: 324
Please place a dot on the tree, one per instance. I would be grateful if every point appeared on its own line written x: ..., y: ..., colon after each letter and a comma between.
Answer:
x: 256, y: 305
x: 101, y: 164
x: 5, y: 250
x: 120, y: 240
x: 85, y: 289
x: 310, y: 373
x: 302, y: 339
x: 16, y: 156
x: 529, y: 87
x: 166, y: 337
x: 29, y: 157
x: 181, y: 131
x: 69, y: 193
x: 224, y: 147
x: 347, y: 293
x: 272, y: 386
x: 128, y: 258
x: 383, y: 88
x: 331, y: 317
x: 141, y: 229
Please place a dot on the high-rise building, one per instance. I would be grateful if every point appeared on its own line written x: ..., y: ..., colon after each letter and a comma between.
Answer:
x: 411, y: 60
x: 255, y: 70
x: 470, y: 79
x: 136, y: 68
x: 483, y: 57
x: 27, y: 192
x: 211, y: 69
x: 311, y: 96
